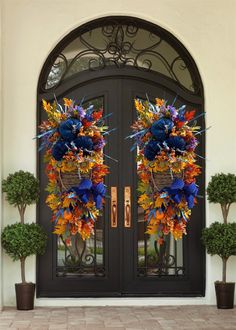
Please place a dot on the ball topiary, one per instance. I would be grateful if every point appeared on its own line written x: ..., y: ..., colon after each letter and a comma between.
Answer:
x: 22, y: 240
x: 220, y: 239
x: 21, y: 189
x: 222, y: 189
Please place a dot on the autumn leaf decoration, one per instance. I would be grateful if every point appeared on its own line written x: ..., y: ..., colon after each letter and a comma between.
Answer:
x: 73, y: 138
x: 166, y: 138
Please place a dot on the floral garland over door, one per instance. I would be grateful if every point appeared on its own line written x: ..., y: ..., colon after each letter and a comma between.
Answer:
x: 167, y: 168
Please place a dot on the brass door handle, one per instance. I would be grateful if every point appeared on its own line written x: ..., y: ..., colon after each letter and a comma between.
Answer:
x: 113, y: 207
x: 127, y: 207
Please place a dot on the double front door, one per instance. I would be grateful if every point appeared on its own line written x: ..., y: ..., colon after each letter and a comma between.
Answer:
x: 120, y: 259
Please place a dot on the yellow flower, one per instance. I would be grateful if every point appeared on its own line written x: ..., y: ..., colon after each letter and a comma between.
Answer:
x: 86, y: 166
x: 138, y: 105
x: 68, y: 166
x: 159, y: 165
x: 178, y: 166
x: 46, y: 105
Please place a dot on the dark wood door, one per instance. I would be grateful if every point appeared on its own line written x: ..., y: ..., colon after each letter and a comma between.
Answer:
x: 122, y: 261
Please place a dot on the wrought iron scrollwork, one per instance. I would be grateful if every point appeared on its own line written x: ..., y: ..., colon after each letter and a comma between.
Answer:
x: 164, y: 259
x: 162, y: 262
x: 78, y: 259
x: 121, y: 44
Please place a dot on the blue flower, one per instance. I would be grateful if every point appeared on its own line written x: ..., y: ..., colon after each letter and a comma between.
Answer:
x: 70, y: 128
x: 161, y: 128
x: 89, y: 117
x: 176, y: 142
x: 85, y: 143
x: 59, y: 149
x: 151, y: 150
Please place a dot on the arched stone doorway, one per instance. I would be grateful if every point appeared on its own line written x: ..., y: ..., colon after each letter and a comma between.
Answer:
x: 109, y: 62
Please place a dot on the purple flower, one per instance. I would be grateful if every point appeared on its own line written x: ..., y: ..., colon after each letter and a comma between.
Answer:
x: 81, y: 111
x: 192, y: 144
x: 173, y: 112
x: 99, y: 144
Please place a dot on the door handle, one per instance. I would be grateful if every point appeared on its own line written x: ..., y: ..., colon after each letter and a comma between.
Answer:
x: 127, y: 207
x: 113, y: 207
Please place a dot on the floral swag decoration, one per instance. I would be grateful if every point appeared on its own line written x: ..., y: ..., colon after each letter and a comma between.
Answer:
x: 74, y: 140
x: 166, y: 166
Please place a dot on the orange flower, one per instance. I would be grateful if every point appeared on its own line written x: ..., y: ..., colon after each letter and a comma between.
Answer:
x: 67, y: 215
x: 67, y: 102
x: 160, y: 102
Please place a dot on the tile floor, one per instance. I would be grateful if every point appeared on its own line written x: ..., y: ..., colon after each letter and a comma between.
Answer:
x: 119, y: 318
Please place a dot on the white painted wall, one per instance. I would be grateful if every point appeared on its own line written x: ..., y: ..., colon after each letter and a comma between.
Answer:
x: 1, y: 117
x: 32, y: 28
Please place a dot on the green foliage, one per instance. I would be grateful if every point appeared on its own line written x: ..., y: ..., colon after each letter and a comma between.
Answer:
x: 222, y: 189
x: 22, y: 240
x: 220, y: 239
x: 21, y: 188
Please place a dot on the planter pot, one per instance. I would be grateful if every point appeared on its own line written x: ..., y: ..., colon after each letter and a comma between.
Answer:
x: 25, y: 296
x: 224, y: 295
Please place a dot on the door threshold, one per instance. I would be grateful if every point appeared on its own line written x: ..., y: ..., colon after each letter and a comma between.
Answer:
x: 122, y: 301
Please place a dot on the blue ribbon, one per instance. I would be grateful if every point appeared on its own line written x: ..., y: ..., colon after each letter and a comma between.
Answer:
x: 87, y: 189
x: 179, y: 189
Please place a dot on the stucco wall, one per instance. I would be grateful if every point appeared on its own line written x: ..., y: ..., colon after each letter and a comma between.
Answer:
x: 1, y: 117
x: 32, y: 28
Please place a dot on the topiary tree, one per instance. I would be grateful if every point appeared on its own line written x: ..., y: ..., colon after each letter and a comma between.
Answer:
x: 222, y: 189
x: 21, y: 189
x: 220, y: 239
x: 22, y: 240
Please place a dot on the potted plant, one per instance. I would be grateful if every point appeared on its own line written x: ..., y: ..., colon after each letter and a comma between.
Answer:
x: 220, y: 238
x: 21, y: 240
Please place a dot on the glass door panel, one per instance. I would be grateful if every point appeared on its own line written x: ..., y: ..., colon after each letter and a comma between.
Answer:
x: 72, y: 267
x: 155, y: 259
x: 150, y: 268
x: 76, y: 257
